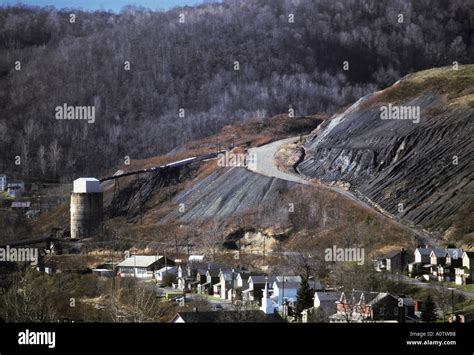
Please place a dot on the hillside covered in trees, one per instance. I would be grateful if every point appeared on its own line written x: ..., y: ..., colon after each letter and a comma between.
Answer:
x: 193, y: 70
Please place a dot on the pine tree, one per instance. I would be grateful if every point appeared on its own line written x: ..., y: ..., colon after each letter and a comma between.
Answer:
x: 428, y: 310
x: 304, y: 298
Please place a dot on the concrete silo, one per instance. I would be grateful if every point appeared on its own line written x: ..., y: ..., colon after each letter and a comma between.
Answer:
x: 86, y: 207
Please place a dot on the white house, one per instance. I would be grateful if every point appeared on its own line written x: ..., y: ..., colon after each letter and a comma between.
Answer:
x: 422, y: 263
x: 3, y: 182
x: 226, y: 279
x: 465, y: 273
x: 142, y: 266
x: 255, y: 286
x: 159, y: 274
x: 196, y: 258
x: 284, y: 291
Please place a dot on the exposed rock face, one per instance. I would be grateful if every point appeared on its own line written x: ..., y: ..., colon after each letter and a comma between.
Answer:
x: 228, y: 192
x: 399, y: 164
x: 131, y: 200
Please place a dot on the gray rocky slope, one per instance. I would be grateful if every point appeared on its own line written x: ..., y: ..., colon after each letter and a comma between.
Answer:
x: 407, y: 168
x: 228, y: 192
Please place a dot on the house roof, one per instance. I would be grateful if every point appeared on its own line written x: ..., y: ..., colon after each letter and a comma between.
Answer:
x: 196, y: 258
x: 167, y: 268
x: 289, y: 278
x: 203, y: 265
x: 201, y: 271
x: 140, y: 261
x: 368, y: 296
x: 245, y: 275
x: 391, y: 254
x: 454, y: 253
x: 21, y: 204
x: 325, y: 296
x: 213, y: 272
x: 424, y: 251
x: 438, y: 252
x: 260, y: 279
x: 408, y: 301
x: 287, y: 285
x: 251, y: 316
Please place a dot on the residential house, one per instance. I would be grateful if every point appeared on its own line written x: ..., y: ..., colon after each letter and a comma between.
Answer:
x: 255, y: 285
x: 284, y: 292
x: 15, y: 188
x: 241, y: 283
x: 142, y: 266
x: 160, y: 273
x: 437, y: 257
x: 194, y: 273
x: 3, y: 182
x: 22, y: 206
x: 285, y: 289
x: 361, y: 306
x: 225, y: 284
x: 452, y: 259
x: 199, y: 279
x: 422, y: 263
x: 212, y: 278
x: 395, y: 261
x: 180, y: 277
x: 245, y: 316
x: 465, y: 274
x: 326, y: 300
x: 187, y: 275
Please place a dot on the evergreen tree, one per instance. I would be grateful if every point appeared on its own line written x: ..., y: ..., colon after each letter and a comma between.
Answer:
x: 304, y: 298
x: 428, y: 311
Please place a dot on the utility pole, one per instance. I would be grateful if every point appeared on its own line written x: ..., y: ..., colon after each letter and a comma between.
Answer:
x: 232, y: 293
x: 453, y: 317
x: 283, y: 303
x: 114, y: 306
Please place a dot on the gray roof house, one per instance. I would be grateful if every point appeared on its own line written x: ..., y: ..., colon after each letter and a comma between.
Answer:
x: 142, y: 266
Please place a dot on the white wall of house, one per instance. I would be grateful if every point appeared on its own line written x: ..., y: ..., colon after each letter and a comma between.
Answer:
x: 159, y: 274
x: 417, y: 256
x: 290, y: 293
x: 3, y: 182
x: 138, y: 272
x: 465, y: 261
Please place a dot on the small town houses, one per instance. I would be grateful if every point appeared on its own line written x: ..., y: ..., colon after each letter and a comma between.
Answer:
x: 273, y: 296
x: 361, y: 306
x: 431, y: 264
x: 442, y: 264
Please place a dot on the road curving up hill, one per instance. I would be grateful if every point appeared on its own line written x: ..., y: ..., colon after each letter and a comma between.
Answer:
x: 264, y: 161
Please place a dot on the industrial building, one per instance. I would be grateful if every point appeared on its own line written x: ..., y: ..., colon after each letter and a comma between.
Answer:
x: 86, y: 207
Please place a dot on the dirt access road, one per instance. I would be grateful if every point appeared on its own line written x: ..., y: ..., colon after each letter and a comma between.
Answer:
x: 261, y: 160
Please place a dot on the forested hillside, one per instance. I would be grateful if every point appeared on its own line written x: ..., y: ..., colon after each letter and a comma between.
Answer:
x: 191, y: 65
